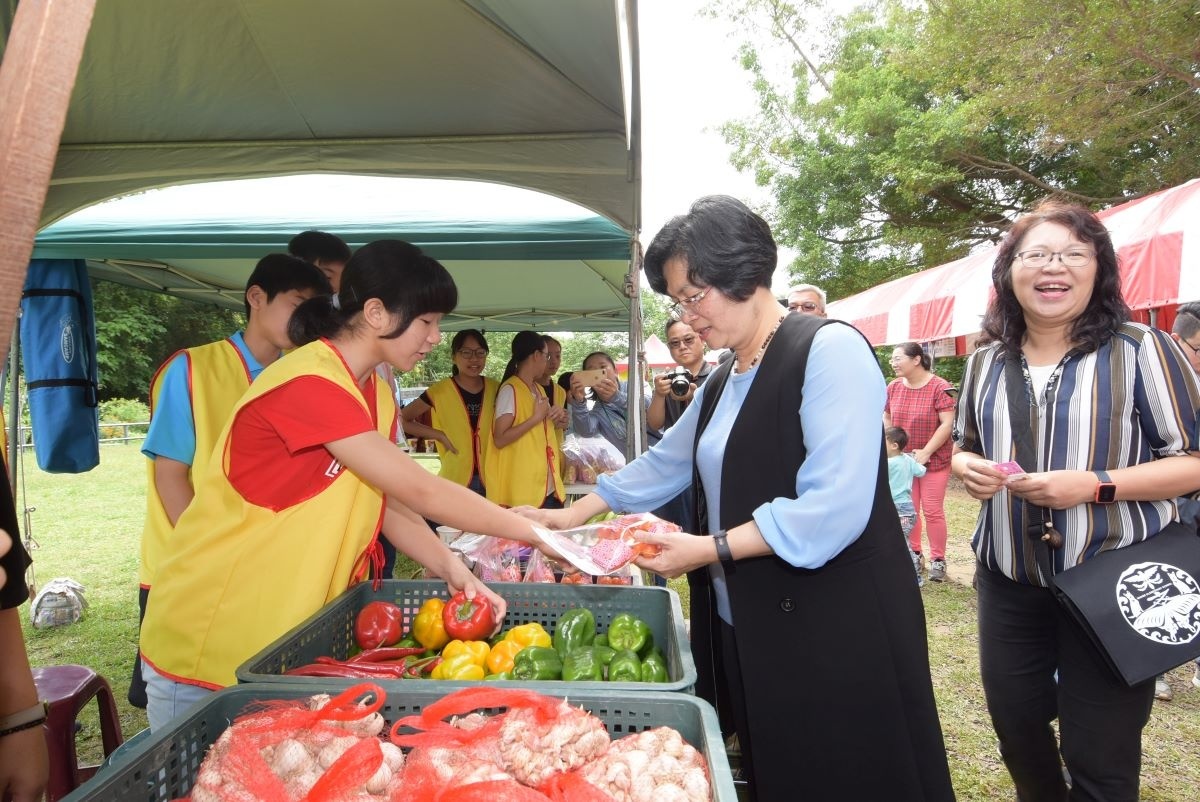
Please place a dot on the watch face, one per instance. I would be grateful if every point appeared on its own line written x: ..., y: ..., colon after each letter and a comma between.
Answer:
x: 1106, y: 493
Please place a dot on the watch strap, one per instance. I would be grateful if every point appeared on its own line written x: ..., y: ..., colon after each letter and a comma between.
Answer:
x: 721, y: 541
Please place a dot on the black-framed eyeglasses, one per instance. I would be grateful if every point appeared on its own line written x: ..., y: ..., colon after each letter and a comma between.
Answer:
x: 804, y: 306
x: 1195, y: 348
x: 472, y: 353
x: 689, y: 341
x: 1040, y: 257
x: 685, y: 305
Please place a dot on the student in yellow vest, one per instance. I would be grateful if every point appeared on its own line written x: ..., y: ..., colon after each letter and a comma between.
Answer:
x: 192, y: 395
x: 522, y: 467
x: 461, y: 410
x: 288, y: 514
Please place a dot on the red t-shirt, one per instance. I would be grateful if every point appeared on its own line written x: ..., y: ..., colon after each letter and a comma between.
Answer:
x: 916, y: 412
x: 277, y: 456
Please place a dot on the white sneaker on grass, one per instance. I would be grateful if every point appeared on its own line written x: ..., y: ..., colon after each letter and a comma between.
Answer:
x: 1162, y: 691
x: 937, y: 571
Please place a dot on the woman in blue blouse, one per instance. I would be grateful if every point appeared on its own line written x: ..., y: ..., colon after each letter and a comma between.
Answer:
x: 1112, y: 408
x: 810, y: 634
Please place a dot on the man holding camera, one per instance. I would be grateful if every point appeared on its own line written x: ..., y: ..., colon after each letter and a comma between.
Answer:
x: 673, y: 391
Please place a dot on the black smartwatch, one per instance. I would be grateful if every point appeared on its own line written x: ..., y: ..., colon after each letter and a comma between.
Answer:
x: 1106, y: 491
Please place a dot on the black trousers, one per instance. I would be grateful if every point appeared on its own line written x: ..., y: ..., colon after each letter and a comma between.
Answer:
x: 1025, y: 637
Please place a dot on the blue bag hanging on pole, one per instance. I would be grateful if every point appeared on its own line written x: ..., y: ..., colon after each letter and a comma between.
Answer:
x: 58, y: 347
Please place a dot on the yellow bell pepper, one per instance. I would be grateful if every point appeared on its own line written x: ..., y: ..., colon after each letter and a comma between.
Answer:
x: 478, y: 650
x: 460, y: 666
x: 531, y: 634
x: 428, y: 628
x: 501, y: 657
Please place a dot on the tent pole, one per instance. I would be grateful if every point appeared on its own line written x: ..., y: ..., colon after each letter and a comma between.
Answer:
x: 14, y: 422
x: 41, y: 61
x: 635, y: 432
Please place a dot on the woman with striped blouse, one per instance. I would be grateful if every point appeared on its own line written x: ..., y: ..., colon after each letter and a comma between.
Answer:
x: 1112, y: 409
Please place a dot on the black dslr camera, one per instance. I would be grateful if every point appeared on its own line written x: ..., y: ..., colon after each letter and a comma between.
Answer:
x: 681, y: 380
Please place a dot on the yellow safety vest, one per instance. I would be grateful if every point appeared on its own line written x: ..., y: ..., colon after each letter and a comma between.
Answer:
x: 238, y: 576
x: 217, y: 376
x: 516, y: 474
x: 449, y: 414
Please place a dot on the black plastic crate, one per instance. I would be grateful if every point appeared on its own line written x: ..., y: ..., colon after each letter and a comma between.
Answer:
x: 331, y: 630
x: 164, y: 767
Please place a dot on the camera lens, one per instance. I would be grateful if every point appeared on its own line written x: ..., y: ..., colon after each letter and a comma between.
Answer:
x: 681, y: 380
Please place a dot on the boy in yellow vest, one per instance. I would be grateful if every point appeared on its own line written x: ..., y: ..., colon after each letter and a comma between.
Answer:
x: 192, y: 395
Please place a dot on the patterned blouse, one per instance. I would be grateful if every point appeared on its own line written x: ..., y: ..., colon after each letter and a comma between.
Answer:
x: 916, y: 410
x: 1132, y: 401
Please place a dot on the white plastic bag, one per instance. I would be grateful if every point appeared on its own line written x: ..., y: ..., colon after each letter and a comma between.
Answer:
x: 59, y: 602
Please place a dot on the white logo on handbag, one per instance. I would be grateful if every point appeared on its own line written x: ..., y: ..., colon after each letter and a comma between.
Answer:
x: 1160, y: 601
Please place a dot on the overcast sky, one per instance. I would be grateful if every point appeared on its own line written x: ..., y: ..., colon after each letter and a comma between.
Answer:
x: 691, y: 84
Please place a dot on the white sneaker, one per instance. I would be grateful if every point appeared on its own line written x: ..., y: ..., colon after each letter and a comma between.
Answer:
x: 1196, y: 676
x: 937, y: 571
x: 1162, y: 691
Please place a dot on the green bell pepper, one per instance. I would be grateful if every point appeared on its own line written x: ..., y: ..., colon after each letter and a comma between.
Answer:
x: 654, y: 667
x: 537, y: 663
x: 627, y: 632
x: 496, y: 677
x: 601, y: 640
x: 583, y: 665
x: 625, y: 667
x: 575, y: 628
x: 604, y: 654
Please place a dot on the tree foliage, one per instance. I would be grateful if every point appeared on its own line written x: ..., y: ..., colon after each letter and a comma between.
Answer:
x: 899, y: 137
x: 136, y: 330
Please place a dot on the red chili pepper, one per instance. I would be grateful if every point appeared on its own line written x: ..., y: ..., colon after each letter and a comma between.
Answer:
x: 378, y: 624
x: 468, y: 619
x: 420, y: 668
x: 322, y: 670
x: 386, y: 654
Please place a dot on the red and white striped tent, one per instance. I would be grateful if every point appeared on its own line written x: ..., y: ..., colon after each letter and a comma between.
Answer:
x: 1155, y: 236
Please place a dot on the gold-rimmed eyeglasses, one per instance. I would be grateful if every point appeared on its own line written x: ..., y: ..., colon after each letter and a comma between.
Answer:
x: 685, y: 305
x: 1040, y: 257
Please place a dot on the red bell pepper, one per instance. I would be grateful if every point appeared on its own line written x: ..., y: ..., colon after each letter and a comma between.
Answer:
x: 378, y: 624
x: 468, y: 619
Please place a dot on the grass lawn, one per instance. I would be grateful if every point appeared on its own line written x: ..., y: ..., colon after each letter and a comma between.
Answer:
x: 87, y: 527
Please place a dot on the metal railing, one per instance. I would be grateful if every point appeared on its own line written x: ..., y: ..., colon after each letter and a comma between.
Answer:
x: 25, y: 433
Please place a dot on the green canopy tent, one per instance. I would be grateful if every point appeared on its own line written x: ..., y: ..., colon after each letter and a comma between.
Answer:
x: 520, y: 259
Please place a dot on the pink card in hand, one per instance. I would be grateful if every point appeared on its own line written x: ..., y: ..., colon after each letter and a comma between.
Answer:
x: 1009, y: 468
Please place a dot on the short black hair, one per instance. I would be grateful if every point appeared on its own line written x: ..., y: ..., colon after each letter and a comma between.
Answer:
x: 279, y: 272
x: 894, y: 434
x: 405, y: 280
x: 319, y: 246
x: 1187, y: 320
x: 724, y: 245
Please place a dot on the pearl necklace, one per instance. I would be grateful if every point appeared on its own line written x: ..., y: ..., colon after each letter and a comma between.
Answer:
x: 763, y: 349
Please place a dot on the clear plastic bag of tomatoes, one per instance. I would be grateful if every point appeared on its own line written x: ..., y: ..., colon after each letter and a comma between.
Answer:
x: 608, y: 547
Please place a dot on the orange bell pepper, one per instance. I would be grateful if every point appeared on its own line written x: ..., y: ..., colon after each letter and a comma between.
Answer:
x: 428, y: 628
x: 500, y: 660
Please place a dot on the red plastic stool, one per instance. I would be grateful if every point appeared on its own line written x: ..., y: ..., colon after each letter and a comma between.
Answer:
x: 66, y: 690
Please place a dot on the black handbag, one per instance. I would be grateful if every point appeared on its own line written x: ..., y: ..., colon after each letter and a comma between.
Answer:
x: 1139, y: 604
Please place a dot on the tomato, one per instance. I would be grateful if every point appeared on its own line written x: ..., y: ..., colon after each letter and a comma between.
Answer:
x: 468, y: 619
x: 378, y: 624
